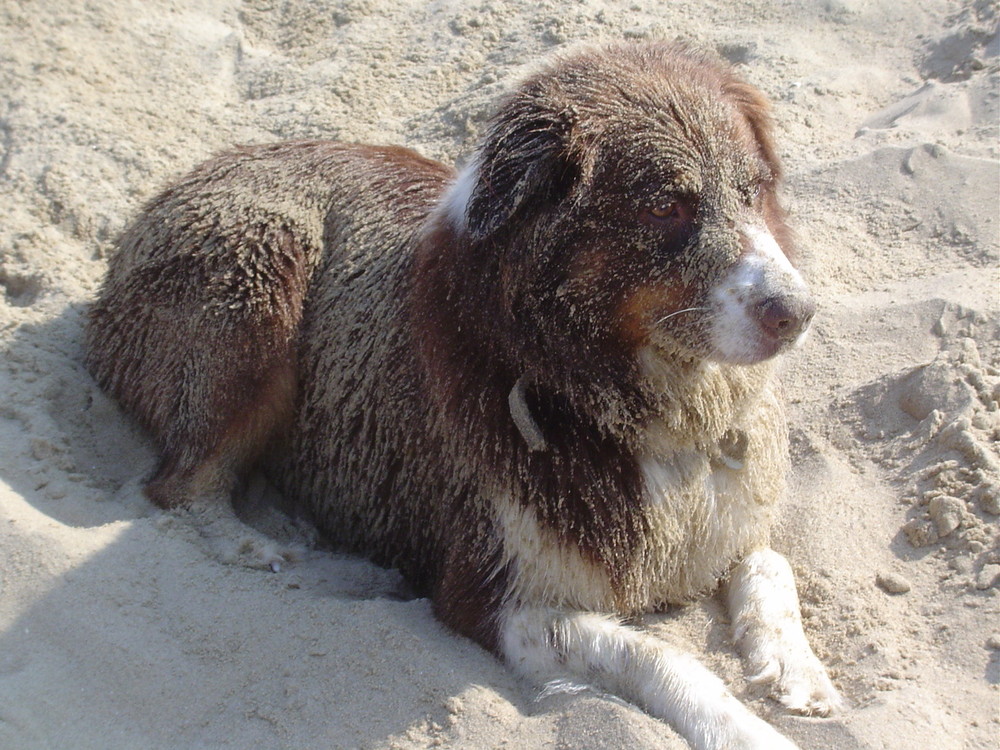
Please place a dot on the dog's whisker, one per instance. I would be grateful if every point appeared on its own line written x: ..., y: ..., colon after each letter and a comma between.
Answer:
x: 678, y: 312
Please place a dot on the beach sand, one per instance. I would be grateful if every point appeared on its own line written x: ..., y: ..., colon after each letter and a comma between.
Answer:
x: 125, y: 627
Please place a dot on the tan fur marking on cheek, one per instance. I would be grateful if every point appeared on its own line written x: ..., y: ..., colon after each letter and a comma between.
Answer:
x: 642, y: 308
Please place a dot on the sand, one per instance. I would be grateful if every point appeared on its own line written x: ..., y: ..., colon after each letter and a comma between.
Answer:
x: 124, y: 627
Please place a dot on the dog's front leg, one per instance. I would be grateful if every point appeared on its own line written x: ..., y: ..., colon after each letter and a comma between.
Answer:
x: 767, y: 628
x: 544, y: 644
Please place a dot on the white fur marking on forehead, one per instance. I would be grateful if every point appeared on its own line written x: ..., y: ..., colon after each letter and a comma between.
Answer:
x: 763, y: 244
x: 455, y: 201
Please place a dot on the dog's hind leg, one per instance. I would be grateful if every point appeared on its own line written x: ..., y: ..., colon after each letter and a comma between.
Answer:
x: 546, y: 645
x: 233, y: 409
x: 767, y: 629
x: 200, y: 345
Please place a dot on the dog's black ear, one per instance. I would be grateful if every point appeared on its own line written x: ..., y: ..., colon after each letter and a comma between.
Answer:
x: 524, y: 158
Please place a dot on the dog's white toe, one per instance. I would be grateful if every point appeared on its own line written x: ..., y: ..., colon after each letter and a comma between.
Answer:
x: 793, y: 676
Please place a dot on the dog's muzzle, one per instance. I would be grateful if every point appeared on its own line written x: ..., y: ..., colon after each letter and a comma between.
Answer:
x: 762, y: 306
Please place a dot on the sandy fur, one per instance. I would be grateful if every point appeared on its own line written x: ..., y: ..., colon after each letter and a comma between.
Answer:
x: 407, y: 305
x: 767, y: 628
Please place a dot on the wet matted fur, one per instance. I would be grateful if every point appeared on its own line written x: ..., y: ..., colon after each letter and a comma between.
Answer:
x: 542, y: 388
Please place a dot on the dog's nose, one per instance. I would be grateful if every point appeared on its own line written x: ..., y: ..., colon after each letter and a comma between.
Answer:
x: 786, y: 317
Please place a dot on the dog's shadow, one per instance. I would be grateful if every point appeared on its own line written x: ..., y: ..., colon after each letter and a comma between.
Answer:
x: 332, y: 645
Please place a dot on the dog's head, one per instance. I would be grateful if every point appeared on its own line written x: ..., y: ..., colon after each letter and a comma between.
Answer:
x: 628, y: 197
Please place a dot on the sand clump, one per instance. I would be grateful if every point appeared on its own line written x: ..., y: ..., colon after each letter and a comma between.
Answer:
x: 946, y: 453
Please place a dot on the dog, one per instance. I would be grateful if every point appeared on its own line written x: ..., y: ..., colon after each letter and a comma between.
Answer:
x: 541, y: 387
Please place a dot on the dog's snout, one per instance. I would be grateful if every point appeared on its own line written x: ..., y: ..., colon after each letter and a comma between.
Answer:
x: 785, y: 317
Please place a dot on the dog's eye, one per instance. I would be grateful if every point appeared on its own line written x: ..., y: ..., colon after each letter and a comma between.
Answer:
x: 669, y: 213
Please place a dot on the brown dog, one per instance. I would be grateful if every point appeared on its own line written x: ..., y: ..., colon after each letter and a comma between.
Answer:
x: 539, y: 388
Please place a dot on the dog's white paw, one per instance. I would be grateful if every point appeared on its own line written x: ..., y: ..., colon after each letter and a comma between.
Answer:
x: 793, y: 675
x: 768, y: 631
x: 758, y: 740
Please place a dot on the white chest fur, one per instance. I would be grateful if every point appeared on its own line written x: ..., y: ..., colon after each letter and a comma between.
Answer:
x: 704, y: 510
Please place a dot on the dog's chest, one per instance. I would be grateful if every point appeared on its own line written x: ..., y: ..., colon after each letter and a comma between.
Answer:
x: 704, y: 508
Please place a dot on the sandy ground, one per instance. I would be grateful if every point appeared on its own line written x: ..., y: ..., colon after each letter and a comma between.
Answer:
x: 121, y: 627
